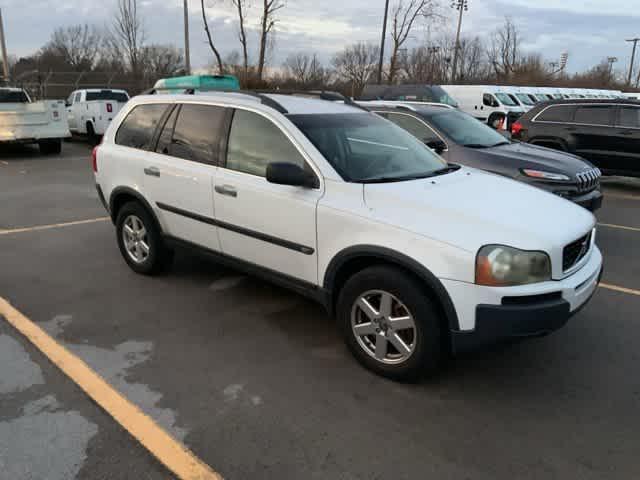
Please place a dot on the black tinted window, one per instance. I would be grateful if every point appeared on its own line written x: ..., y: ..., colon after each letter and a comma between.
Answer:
x: 629, y: 117
x: 556, y: 113
x: 414, y: 126
x: 196, y: 135
x: 255, y: 142
x: 137, y: 129
x: 108, y: 95
x: 593, y: 114
x: 13, y: 96
x: 164, y: 141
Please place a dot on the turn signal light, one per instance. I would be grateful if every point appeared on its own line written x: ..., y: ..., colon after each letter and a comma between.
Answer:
x: 516, y: 128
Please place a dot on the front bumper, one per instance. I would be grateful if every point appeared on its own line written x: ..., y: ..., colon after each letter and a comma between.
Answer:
x: 592, y: 201
x: 490, y: 315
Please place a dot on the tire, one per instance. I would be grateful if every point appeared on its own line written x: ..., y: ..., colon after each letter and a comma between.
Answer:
x: 425, y: 340
x: 152, y: 255
x: 91, y: 134
x: 50, y: 147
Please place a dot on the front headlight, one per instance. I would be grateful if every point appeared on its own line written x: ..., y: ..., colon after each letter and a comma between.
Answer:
x: 545, y: 175
x: 500, y: 266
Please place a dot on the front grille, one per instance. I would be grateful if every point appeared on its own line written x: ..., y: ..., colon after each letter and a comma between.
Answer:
x: 588, y: 180
x: 575, y: 251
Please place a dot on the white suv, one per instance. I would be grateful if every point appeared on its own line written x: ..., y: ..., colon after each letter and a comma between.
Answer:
x: 415, y: 258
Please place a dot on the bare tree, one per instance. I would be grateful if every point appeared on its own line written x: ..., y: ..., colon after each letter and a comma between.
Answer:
x: 267, y: 23
x: 472, y: 65
x: 161, y: 61
x: 356, y: 64
x: 404, y: 18
x: 504, y: 49
x: 215, y: 51
x: 127, y: 34
x: 241, y: 7
x: 77, y: 45
x: 305, y: 70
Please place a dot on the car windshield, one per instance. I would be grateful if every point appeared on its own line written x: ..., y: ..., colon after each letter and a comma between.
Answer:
x: 13, y: 96
x: 121, y: 97
x: 465, y: 130
x: 506, y: 99
x: 366, y: 148
x: 524, y: 98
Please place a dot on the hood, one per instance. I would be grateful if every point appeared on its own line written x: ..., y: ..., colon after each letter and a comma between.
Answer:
x: 524, y: 155
x: 470, y: 208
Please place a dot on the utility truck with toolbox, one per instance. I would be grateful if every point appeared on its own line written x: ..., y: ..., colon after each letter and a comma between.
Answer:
x: 24, y: 121
x: 90, y: 111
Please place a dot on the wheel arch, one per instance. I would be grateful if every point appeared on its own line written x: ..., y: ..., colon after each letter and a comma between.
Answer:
x: 121, y: 195
x: 354, y: 259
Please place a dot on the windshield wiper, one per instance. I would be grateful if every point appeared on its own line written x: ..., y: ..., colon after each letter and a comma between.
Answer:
x: 476, y: 145
x: 500, y: 143
x: 452, y: 167
x: 441, y: 171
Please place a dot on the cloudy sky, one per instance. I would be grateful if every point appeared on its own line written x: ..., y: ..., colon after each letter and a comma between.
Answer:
x: 588, y: 29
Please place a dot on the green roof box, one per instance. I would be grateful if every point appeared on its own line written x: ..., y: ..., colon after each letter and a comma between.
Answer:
x: 198, y: 83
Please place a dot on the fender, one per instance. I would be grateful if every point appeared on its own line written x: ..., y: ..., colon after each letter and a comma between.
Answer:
x: 397, y: 258
x: 118, y: 191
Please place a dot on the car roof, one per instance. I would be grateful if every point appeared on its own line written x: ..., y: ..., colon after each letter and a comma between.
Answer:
x: 286, y: 104
x: 415, y: 109
x: 579, y: 101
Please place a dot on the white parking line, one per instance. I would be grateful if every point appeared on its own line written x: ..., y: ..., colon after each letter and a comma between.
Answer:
x: 52, y: 226
x: 619, y: 227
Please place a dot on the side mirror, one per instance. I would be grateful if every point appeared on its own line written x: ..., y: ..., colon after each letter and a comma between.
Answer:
x: 284, y: 173
x: 436, y: 145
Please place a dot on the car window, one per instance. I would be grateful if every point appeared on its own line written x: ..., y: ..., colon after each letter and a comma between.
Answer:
x: 506, y: 99
x: 593, y: 114
x: 70, y: 99
x: 414, y: 126
x: 13, y: 96
x: 196, y: 135
x: 164, y: 140
x: 255, y: 142
x: 78, y: 97
x: 489, y: 100
x: 136, y: 131
x: 116, y: 96
x: 555, y: 113
x: 465, y: 130
x: 363, y: 147
x: 629, y: 117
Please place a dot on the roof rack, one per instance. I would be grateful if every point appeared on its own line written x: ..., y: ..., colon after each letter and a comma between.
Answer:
x: 320, y: 94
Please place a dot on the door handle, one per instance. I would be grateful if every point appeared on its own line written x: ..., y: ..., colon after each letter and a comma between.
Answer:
x: 152, y: 171
x: 227, y: 190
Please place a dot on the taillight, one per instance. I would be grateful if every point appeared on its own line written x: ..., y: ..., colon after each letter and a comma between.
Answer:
x: 94, y: 159
x: 109, y: 108
x: 516, y: 129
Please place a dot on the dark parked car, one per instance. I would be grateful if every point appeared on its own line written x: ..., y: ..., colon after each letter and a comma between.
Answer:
x: 462, y: 139
x: 605, y: 132
x: 408, y: 92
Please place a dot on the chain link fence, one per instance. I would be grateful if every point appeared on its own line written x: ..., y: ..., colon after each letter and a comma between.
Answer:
x: 58, y: 85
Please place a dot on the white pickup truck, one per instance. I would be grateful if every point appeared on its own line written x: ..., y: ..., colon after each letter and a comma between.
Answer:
x: 90, y: 111
x: 24, y: 121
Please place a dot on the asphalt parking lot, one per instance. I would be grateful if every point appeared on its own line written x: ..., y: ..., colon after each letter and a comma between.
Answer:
x: 255, y: 380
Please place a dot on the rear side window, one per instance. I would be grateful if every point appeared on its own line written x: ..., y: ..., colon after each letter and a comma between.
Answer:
x: 629, y: 117
x: 136, y: 131
x: 120, y: 97
x: 197, y: 132
x: 414, y: 126
x: 593, y: 114
x: 555, y: 113
x: 255, y: 142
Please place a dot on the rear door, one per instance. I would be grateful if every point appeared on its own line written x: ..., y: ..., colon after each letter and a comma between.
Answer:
x: 180, y: 172
x: 627, y: 139
x: 592, y: 133
x: 272, y: 226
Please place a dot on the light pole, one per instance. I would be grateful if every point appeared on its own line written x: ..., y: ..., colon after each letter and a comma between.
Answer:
x: 611, y: 61
x: 384, y: 34
x: 633, y: 57
x: 187, y: 58
x: 462, y: 6
x: 3, y: 46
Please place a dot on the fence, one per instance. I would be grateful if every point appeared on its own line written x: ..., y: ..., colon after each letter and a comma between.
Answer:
x: 58, y: 85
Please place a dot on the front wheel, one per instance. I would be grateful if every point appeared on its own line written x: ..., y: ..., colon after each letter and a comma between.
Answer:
x: 390, y: 324
x: 140, y: 240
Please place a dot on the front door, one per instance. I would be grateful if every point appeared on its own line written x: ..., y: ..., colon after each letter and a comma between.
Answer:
x: 272, y: 226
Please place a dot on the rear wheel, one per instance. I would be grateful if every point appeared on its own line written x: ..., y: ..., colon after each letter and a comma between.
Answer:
x: 140, y: 240
x: 389, y: 324
x: 50, y: 147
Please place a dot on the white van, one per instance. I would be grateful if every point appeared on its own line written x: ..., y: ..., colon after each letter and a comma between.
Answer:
x: 487, y: 103
x: 522, y: 96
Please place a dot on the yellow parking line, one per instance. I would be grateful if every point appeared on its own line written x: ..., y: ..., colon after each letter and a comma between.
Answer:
x: 54, y: 225
x: 173, y: 454
x: 622, y: 196
x: 615, y: 288
x: 620, y: 227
